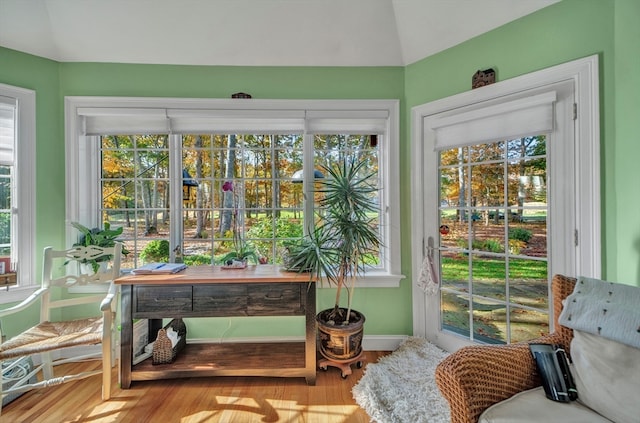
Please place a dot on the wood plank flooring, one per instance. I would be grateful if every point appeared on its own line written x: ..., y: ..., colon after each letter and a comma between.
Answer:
x: 197, y: 400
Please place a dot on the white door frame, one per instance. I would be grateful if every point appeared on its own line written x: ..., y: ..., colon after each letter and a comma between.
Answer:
x: 584, y: 74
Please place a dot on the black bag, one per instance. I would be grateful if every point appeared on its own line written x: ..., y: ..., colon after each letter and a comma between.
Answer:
x: 554, y: 369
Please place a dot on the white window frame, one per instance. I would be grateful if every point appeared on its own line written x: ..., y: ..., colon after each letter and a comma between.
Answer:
x: 24, y: 205
x: 82, y: 166
x: 587, y: 232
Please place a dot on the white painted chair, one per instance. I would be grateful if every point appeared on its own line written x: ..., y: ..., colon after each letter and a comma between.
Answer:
x: 81, y: 320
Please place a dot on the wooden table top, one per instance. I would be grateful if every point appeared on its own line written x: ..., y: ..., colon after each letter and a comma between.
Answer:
x: 208, y: 274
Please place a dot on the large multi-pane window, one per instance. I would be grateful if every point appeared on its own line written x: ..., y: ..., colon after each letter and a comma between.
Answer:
x: 263, y: 205
x: 17, y: 190
x: 189, y: 194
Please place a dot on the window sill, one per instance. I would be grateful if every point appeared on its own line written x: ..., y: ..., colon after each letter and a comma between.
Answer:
x: 374, y: 280
x: 16, y: 294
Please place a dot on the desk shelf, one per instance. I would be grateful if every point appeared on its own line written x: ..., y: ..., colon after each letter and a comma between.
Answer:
x: 282, y: 359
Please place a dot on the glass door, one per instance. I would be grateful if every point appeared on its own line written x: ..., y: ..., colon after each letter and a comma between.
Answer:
x: 493, y: 212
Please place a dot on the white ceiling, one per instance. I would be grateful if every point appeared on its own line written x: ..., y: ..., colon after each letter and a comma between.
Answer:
x: 250, y: 32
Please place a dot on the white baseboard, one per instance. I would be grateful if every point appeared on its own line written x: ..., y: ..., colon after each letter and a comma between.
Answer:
x: 382, y: 342
x: 369, y: 343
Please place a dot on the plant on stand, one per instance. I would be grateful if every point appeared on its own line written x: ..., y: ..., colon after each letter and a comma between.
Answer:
x: 106, y: 237
x: 342, y: 243
x: 242, y: 251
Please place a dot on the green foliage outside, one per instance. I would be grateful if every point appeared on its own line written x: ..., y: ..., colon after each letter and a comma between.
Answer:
x: 520, y: 234
x: 491, y: 245
x: 156, y: 251
x: 5, y: 233
x: 518, y: 239
x: 286, y: 229
x: 197, y: 260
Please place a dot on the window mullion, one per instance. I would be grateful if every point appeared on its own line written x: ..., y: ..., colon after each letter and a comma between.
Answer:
x: 308, y: 179
x: 175, y: 204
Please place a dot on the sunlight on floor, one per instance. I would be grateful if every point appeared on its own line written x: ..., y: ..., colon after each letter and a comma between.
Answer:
x: 106, y: 412
x: 252, y: 409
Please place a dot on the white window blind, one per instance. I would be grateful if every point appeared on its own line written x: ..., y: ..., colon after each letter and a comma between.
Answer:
x: 7, y: 130
x: 347, y: 121
x: 105, y: 121
x: 491, y: 122
x: 236, y: 121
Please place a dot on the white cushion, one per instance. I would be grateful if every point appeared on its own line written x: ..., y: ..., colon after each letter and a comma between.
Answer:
x: 534, y: 407
x: 604, y: 308
x: 607, y: 376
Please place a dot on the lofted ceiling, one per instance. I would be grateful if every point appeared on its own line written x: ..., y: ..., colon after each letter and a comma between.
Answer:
x: 250, y: 32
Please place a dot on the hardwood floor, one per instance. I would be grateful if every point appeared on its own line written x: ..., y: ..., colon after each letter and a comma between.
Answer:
x: 197, y: 400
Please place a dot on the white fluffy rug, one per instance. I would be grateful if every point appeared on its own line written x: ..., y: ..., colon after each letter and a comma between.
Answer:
x: 401, y: 386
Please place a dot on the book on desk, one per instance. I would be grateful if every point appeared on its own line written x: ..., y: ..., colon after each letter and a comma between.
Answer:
x: 159, y: 268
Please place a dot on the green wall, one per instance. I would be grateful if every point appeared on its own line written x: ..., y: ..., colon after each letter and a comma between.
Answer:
x: 565, y: 31
x: 562, y: 32
x: 623, y: 148
x: 40, y: 75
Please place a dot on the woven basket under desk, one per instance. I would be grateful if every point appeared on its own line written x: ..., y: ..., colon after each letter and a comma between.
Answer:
x: 163, y: 353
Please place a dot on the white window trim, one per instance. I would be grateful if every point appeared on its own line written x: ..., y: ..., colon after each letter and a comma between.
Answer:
x: 25, y: 171
x: 82, y: 159
x: 584, y: 74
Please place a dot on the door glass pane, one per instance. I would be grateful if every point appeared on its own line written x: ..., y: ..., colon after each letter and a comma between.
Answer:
x: 528, y: 283
x: 455, y: 270
x: 493, y: 239
x: 487, y: 189
x: 455, y: 312
x: 489, y: 276
x: 489, y: 321
x: 527, y: 324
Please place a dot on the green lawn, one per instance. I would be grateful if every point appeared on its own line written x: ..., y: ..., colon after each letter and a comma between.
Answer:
x: 493, y: 270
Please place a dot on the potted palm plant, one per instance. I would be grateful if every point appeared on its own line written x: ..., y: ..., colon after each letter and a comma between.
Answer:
x: 343, y: 241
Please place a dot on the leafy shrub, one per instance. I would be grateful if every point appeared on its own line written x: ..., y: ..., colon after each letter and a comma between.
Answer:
x: 515, y: 246
x: 196, y: 260
x: 520, y: 234
x: 156, y: 251
x: 492, y: 245
x: 285, y: 229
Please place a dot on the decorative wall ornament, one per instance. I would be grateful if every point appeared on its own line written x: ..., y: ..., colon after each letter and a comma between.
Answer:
x: 483, y: 77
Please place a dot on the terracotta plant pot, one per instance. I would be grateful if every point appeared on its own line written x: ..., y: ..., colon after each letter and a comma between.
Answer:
x: 338, y: 342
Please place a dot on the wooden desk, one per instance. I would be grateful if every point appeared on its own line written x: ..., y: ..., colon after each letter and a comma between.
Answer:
x: 209, y: 291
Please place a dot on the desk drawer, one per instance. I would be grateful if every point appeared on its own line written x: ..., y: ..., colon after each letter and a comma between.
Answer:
x: 170, y: 300
x: 275, y: 299
x: 220, y: 300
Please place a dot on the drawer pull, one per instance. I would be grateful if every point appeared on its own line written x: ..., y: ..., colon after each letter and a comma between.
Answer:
x: 272, y: 297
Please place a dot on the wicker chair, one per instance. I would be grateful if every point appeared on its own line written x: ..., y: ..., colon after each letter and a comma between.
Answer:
x: 476, y: 377
x: 62, y: 269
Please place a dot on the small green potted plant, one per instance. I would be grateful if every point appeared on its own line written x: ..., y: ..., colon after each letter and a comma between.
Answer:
x: 338, y: 249
x: 106, y: 237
